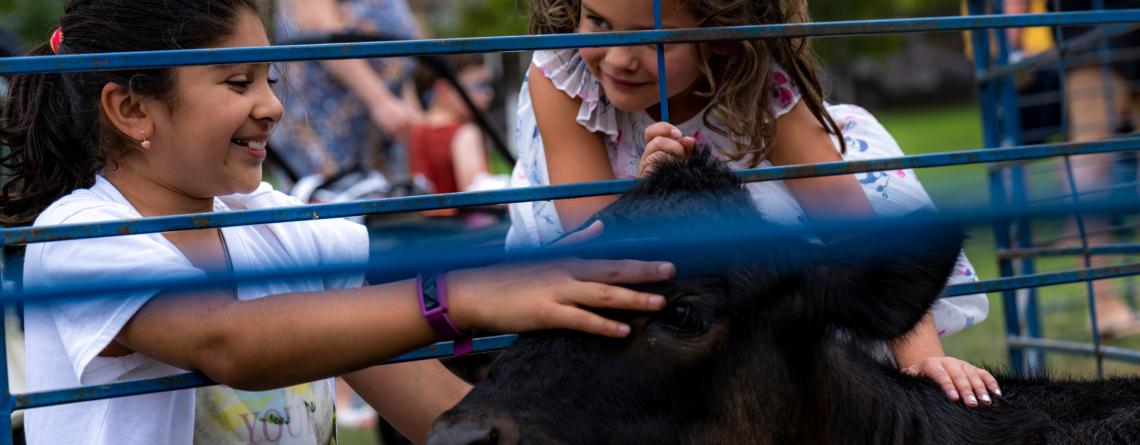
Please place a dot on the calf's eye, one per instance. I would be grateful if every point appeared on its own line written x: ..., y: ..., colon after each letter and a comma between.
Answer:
x: 684, y: 318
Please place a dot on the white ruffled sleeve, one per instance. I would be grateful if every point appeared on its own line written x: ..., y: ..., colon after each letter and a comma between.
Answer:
x: 536, y: 223
x: 570, y: 75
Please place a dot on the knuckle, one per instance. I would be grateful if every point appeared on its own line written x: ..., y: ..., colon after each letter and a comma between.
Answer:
x: 605, y: 295
x: 585, y: 319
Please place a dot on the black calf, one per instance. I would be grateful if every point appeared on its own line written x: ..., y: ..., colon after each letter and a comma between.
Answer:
x: 766, y: 344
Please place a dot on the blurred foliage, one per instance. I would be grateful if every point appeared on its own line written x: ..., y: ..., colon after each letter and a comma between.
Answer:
x: 31, y: 20
x: 840, y: 51
x: 478, y: 18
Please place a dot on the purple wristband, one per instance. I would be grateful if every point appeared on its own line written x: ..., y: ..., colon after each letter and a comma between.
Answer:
x: 432, y: 290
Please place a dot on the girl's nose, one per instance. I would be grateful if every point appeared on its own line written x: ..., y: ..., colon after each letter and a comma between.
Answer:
x: 622, y: 58
x: 268, y: 106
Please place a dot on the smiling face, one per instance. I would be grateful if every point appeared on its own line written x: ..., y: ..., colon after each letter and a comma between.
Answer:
x: 629, y: 74
x: 209, y: 140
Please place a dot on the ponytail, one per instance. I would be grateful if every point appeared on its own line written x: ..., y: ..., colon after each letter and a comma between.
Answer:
x: 47, y: 154
x: 57, y: 136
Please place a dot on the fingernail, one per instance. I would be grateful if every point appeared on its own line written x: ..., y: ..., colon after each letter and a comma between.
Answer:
x: 656, y: 301
x: 623, y: 329
x: 953, y: 395
x: 971, y: 400
x: 676, y: 133
x: 986, y: 398
x: 997, y: 391
x: 666, y: 270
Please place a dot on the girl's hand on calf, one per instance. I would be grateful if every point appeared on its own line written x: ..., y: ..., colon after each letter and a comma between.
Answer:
x: 959, y: 379
x: 663, y: 141
x: 552, y: 295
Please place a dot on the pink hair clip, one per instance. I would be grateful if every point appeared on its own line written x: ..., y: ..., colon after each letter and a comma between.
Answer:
x: 56, y: 40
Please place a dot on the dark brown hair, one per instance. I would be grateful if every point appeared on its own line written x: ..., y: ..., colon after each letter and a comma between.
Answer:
x: 54, y: 124
x: 430, y: 69
x: 739, y: 85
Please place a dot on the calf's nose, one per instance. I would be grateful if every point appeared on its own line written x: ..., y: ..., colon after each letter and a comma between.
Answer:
x: 473, y: 432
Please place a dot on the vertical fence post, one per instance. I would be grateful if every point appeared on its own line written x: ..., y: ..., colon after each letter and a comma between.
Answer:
x: 662, y: 81
x: 6, y: 403
x: 991, y: 131
x: 1011, y: 127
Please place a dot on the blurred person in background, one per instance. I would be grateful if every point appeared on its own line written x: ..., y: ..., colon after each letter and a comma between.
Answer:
x: 1101, y: 101
x: 342, y: 115
x: 447, y: 148
x: 346, y: 114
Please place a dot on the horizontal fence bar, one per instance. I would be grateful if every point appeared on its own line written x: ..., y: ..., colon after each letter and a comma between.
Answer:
x: 284, y: 53
x: 1108, y: 249
x: 1070, y: 347
x: 1048, y: 242
x: 487, y: 344
x: 1085, y: 41
x: 1042, y: 280
x: 397, y: 264
x: 1115, y: 188
x: 195, y: 380
x: 25, y: 235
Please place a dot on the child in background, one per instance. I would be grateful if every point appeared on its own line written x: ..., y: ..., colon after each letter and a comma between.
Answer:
x: 446, y: 147
x: 117, y: 145
x: 592, y: 114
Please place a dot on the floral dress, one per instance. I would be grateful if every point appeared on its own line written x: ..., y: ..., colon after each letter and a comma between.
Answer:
x: 326, y: 128
x: 891, y: 193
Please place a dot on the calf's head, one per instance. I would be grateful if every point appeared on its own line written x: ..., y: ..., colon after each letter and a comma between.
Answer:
x: 728, y: 357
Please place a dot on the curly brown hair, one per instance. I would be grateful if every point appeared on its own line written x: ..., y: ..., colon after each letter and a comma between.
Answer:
x: 740, y: 105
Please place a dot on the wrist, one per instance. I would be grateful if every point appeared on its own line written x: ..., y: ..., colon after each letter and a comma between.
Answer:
x: 431, y: 289
x: 459, y: 287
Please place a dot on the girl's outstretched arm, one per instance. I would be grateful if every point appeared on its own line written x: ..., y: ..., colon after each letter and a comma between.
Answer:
x: 300, y: 337
x: 573, y: 153
x: 800, y: 139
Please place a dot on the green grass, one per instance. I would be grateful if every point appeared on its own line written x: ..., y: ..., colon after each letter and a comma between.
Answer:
x: 1064, y: 308
x: 357, y: 436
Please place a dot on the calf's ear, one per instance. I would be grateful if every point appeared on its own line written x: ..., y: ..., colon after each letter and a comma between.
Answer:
x: 879, y: 284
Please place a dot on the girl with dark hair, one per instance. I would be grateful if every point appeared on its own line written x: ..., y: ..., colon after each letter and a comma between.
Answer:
x: 591, y: 114
x: 116, y: 145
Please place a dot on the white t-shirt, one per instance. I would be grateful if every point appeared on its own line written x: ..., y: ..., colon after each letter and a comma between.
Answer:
x: 64, y: 338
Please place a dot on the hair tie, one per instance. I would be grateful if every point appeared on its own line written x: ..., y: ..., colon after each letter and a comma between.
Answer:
x: 56, y: 40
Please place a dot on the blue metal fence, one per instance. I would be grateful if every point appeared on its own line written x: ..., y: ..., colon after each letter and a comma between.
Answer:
x: 1018, y: 248
x: 1001, y: 136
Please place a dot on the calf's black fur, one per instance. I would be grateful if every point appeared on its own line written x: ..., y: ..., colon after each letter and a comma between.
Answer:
x: 765, y: 344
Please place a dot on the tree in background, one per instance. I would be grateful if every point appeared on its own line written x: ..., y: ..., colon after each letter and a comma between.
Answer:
x: 31, y: 20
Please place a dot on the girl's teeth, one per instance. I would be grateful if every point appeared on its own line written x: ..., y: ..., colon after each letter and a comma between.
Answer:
x: 257, y: 145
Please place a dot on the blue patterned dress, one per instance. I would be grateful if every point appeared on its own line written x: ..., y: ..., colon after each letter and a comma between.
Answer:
x: 326, y: 128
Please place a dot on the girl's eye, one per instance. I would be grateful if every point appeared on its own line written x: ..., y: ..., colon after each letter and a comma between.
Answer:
x: 597, y: 22
x: 239, y: 83
x: 273, y: 80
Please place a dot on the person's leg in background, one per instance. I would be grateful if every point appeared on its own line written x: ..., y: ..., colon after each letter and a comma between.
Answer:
x: 1087, y: 101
